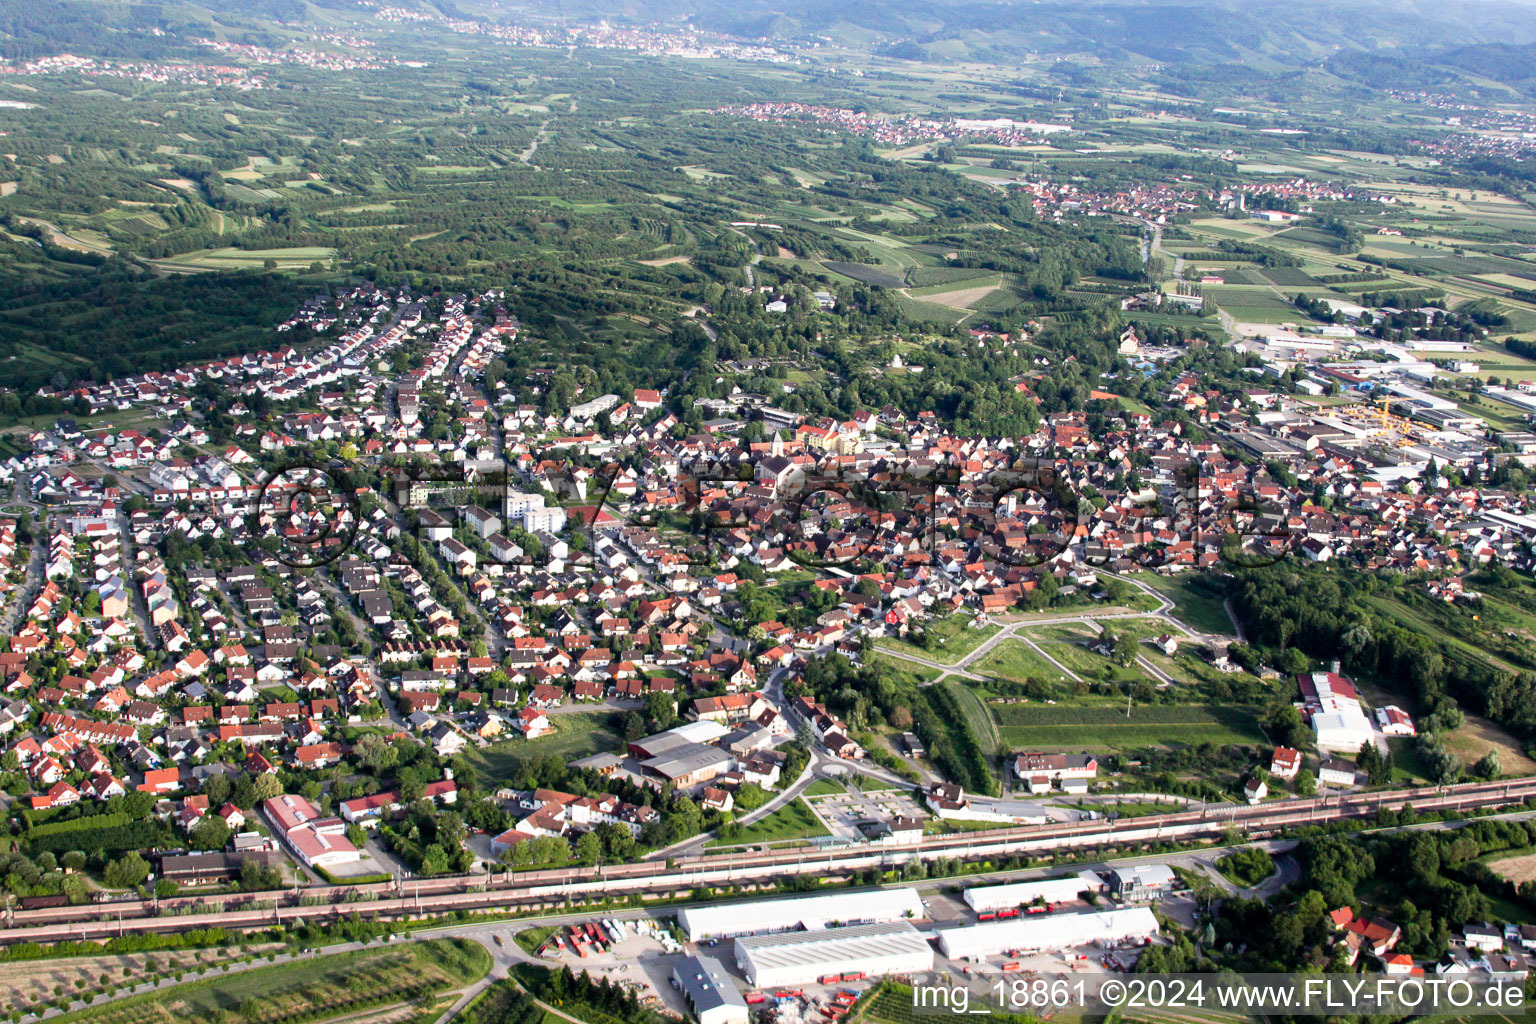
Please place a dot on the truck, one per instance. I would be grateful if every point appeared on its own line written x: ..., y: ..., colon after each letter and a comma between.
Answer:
x: 1010, y: 912
x: 853, y: 976
x: 1041, y: 908
x: 990, y: 915
x: 1010, y: 966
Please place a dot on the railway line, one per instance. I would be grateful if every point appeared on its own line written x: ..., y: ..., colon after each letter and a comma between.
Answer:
x: 535, y: 890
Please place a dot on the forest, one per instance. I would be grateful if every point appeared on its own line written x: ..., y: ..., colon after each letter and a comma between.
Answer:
x: 1379, y: 628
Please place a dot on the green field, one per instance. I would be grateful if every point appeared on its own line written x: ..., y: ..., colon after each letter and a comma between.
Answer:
x: 795, y: 820
x: 977, y: 717
x: 949, y: 640
x: 904, y: 671
x: 1016, y: 661
x: 1195, y: 603
x: 1068, y: 645
x: 298, y: 258
x: 577, y: 735
x: 1105, y: 727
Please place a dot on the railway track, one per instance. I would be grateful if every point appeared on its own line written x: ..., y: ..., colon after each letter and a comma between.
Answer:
x: 548, y: 889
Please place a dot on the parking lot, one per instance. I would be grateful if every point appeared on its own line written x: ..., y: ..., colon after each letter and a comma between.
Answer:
x: 844, y: 812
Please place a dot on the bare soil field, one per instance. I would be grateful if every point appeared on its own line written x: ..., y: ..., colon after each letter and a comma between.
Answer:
x: 1516, y: 869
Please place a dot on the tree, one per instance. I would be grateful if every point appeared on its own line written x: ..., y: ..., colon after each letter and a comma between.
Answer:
x: 126, y: 872
x: 217, y: 789
x: 375, y: 753
x: 661, y: 709
x: 211, y: 833
x: 266, y: 787
x: 1125, y: 649
x: 1373, y: 764
x: 619, y: 843
x: 1284, y: 725
x: 1488, y: 766
x: 589, y: 848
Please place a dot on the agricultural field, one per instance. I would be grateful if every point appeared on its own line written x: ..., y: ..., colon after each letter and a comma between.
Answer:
x: 243, y: 259
x: 320, y: 989
x: 1518, y: 869
x: 26, y: 983
x: 1104, y: 727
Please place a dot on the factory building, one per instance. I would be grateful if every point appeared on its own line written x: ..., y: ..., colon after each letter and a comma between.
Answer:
x: 1053, y: 931
x: 807, y: 913
x: 1142, y: 882
x: 1021, y: 894
x: 711, y: 995
x: 799, y: 958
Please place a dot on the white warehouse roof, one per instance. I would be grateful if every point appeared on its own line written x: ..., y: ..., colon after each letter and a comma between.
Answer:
x: 1052, y: 931
x: 1342, y: 730
x: 1019, y: 894
x: 798, y: 958
x: 805, y: 912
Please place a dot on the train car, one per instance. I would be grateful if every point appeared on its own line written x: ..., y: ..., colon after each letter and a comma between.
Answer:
x: 41, y: 902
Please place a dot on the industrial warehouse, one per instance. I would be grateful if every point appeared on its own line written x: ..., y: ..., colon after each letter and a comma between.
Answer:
x: 1054, y: 931
x: 803, y: 913
x: 991, y: 898
x: 799, y: 958
x: 710, y: 994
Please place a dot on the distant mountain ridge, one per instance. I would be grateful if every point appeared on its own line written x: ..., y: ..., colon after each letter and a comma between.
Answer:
x: 1162, y: 30
x: 1381, y: 43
